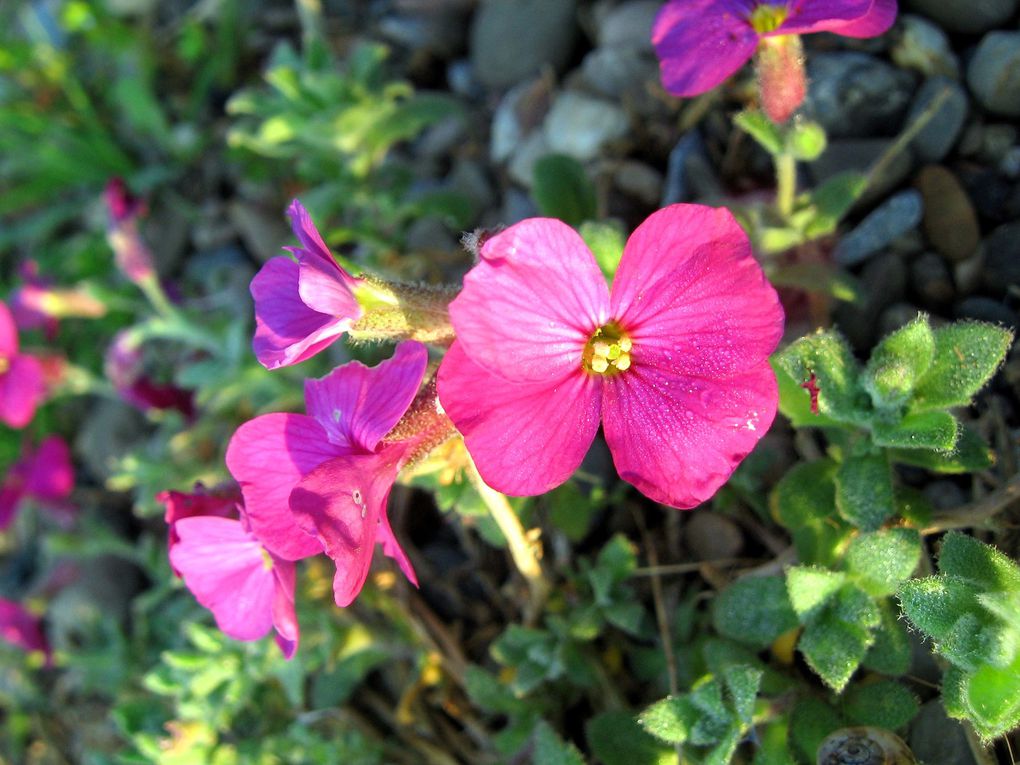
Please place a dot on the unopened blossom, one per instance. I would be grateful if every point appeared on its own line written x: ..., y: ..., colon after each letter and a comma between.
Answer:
x: 249, y: 590
x: 44, y: 474
x: 673, y: 364
x: 21, y: 376
x: 124, y: 365
x: 37, y: 304
x: 305, y: 305
x: 700, y: 43
x: 320, y: 482
x: 132, y: 255
x: 20, y: 628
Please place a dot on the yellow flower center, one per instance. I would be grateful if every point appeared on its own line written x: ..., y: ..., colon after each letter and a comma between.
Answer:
x: 607, y: 352
x: 5, y: 364
x: 267, y: 560
x: 767, y: 18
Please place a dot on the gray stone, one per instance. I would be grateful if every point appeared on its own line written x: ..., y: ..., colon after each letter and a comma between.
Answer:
x: 986, y: 309
x: 1002, y: 258
x: 883, y: 282
x: 711, y: 536
x: 938, y: 740
x: 965, y: 15
x: 968, y: 274
x: 895, y: 316
x: 639, y: 180
x: 522, y: 163
x: 994, y: 73
x: 618, y: 72
x: 935, y: 139
x: 514, y: 39
x: 110, y: 430
x: 579, y: 125
x: 924, y: 47
x: 950, y: 223
x: 854, y: 95
x: 860, y: 154
x: 689, y: 174
x: 932, y: 282
x: 519, y: 112
x: 898, y: 215
x: 629, y: 25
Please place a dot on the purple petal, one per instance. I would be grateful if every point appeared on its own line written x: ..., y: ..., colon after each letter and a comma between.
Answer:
x: 49, y: 474
x: 308, y: 234
x: 285, y: 621
x: 525, y: 438
x: 21, y: 390
x: 342, y: 502
x: 701, y: 43
x: 8, y: 333
x: 872, y: 24
x: 358, y: 405
x: 392, y: 549
x: 286, y: 330
x: 531, y: 303
x: 226, y: 569
x: 692, y: 297
x: 20, y: 628
x: 268, y: 456
x: 678, y: 439
x: 807, y: 16
x: 11, y: 494
x: 328, y: 289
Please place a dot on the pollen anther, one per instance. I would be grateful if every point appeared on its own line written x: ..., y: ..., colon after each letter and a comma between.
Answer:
x: 608, y: 351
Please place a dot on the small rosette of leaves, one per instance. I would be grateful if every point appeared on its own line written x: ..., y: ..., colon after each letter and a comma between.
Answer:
x: 971, y: 612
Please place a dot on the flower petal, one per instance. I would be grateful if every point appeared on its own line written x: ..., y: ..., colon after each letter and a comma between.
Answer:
x: 524, y: 438
x: 809, y: 16
x: 701, y: 43
x: 342, y: 501
x: 225, y: 568
x: 358, y: 405
x: 875, y: 22
x: 268, y: 456
x: 8, y: 333
x: 306, y: 232
x: 531, y: 303
x: 21, y: 628
x: 11, y: 493
x: 692, y: 297
x: 328, y: 289
x: 286, y: 330
x: 288, y: 633
x: 21, y: 390
x: 49, y: 474
x: 678, y: 439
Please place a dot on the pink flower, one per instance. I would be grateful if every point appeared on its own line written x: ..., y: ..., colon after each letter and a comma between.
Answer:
x: 21, y: 376
x: 249, y: 590
x: 124, y: 366
x: 201, y: 502
x: 321, y: 481
x: 700, y: 43
x: 20, y: 628
x: 674, y: 363
x: 130, y: 253
x: 44, y: 474
x: 301, y: 307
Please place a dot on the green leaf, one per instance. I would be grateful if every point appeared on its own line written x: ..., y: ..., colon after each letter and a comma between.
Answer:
x: 834, y: 649
x: 488, y: 693
x: 967, y: 354
x: 890, y: 654
x: 806, y: 141
x: 827, y: 356
x: 898, y: 362
x: 992, y: 695
x: 765, y: 132
x: 606, y: 241
x: 754, y: 611
x: 810, y: 722
x: 795, y: 401
x: 881, y: 560
x: 864, y: 490
x: 804, y: 503
x: 671, y: 719
x: 832, y: 201
x: 562, y: 190
x: 936, y: 603
x: 969, y: 559
x: 810, y: 588
x: 882, y: 704
x: 935, y: 431
x: 616, y: 738
x: 774, y: 749
x: 550, y: 749
x: 742, y: 683
x: 970, y: 455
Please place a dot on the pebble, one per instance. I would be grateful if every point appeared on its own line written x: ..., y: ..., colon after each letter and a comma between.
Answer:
x: 854, y: 95
x: 893, y: 218
x: 950, y: 222
x: 933, y: 142
x: 639, y: 180
x: 931, y: 280
x: 883, y: 282
x: 986, y: 309
x: 513, y: 39
x: 629, y: 25
x: 618, y: 73
x: 965, y: 15
x: 579, y: 125
x: 689, y: 173
x: 710, y: 536
x: 934, y: 738
x: 969, y: 273
x: 521, y: 110
x: 894, y: 317
x: 1002, y: 258
x: 994, y: 73
x: 924, y: 47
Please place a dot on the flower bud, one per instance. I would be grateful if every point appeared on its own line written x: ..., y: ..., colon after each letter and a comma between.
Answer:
x: 782, y: 83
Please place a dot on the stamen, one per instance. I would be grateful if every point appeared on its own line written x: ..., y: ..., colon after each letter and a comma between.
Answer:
x: 608, y: 351
x: 599, y: 364
x: 767, y: 17
x: 5, y: 364
x: 623, y: 363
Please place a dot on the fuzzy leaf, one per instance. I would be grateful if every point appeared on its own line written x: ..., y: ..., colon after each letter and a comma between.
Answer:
x: 834, y: 649
x: 550, y: 749
x: 761, y: 129
x: 936, y: 603
x: 827, y: 356
x: 804, y: 503
x: 606, y: 241
x: 832, y: 201
x: 754, y: 611
x: 811, y: 588
x: 967, y: 354
x: 864, y: 491
x: 970, y: 455
x: 936, y: 431
x: 992, y: 695
x: 810, y: 722
x: 890, y: 653
x: 966, y: 557
x: 806, y: 141
x: 616, y: 738
x: 882, y: 704
x: 742, y: 683
x: 562, y: 190
x: 881, y: 560
x: 898, y: 362
x: 795, y: 401
x: 670, y: 719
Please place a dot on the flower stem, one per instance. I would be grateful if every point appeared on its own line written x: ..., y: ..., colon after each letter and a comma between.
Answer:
x: 525, y: 546
x: 786, y: 183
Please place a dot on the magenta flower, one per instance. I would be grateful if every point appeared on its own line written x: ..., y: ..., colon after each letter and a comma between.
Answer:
x: 44, y: 475
x: 20, y: 628
x: 124, y: 366
x: 321, y: 481
x: 674, y: 363
x: 249, y: 590
x: 700, y: 43
x: 301, y: 307
x: 21, y: 376
x: 201, y: 502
